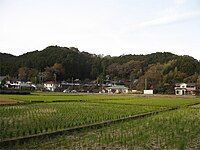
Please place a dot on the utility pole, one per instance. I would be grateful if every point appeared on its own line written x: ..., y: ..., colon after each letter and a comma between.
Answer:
x: 41, y: 76
x: 145, y: 83
x: 55, y: 76
x: 35, y: 80
x: 130, y: 82
x: 72, y: 83
x: 102, y: 85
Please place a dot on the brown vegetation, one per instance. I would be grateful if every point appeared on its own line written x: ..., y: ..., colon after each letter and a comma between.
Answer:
x: 7, y: 101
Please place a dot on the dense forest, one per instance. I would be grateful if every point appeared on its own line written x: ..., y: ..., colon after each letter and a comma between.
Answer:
x: 162, y: 70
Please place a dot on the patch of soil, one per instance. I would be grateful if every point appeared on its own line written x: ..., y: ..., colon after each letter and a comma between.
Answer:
x: 8, y: 101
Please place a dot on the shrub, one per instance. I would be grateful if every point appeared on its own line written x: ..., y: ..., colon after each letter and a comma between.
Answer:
x: 15, y: 92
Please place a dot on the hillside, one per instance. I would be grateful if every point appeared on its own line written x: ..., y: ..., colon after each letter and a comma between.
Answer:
x: 162, y: 70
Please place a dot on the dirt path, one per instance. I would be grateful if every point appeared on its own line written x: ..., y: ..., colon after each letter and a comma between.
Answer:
x: 7, y: 101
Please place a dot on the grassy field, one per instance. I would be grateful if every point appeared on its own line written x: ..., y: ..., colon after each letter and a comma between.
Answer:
x: 49, y: 97
x: 126, y: 98
x: 24, y: 120
x: 177, y: 129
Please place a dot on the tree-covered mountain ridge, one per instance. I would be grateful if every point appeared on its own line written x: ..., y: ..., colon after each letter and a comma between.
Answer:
x: 161, y: 69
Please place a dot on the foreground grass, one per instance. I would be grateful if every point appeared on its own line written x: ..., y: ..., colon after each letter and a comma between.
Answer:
x: 29, y: 119
x: 177, y: 129
x: 172, y: 130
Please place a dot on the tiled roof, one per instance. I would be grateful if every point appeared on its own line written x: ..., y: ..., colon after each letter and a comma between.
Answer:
x: 51, y: 82
x: 188, y: 84
x: 118, y: 87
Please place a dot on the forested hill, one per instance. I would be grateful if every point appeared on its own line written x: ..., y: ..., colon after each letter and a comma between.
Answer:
x: 6, y: 56
x: 161, y: 69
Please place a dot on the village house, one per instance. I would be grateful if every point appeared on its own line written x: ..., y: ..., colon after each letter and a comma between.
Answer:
x: 117, y: 89
x: 185, y: 89
x: 18, y: 84
x: 51, y: 86
x: 13, y: 84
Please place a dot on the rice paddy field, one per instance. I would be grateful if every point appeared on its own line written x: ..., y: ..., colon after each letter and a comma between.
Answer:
x: 97, y: 121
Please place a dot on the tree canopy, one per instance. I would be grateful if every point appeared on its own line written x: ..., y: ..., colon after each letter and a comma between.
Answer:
x: 162, y: 70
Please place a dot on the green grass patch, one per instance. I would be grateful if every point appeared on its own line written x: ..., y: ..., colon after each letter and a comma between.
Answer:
x: 29, y: 119
x: 177, y: 129
x: 162, y: 131
x: 157, y: 101
x: 121, y: 99
x: 48, y: 97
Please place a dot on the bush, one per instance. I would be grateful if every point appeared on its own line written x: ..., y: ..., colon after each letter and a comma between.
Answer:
x: 15, y: 92
x: 197, y: 92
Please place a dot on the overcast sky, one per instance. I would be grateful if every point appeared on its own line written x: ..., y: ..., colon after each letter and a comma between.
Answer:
x: 109, y: 27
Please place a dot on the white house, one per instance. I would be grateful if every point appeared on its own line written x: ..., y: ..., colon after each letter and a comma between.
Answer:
x: 13, y: 84
x: 19, y: 84
x: 117, y: 89
x: 185, y: 89
x: 51, y: 86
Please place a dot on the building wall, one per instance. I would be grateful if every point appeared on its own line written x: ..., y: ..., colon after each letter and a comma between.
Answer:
x: 184, y: 89
x: 180, y: 92
x: 148, y: 91
x: 50, y: 87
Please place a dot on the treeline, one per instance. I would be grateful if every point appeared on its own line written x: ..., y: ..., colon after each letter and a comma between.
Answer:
x: 161, y: 70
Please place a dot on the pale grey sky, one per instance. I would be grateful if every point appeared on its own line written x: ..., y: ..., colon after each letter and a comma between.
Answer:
x: 109, y: 27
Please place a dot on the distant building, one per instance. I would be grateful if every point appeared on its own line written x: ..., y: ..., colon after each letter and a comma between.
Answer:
x: 117, y: 89
x: 185, y: 89
x: 19, y: 84
x: 13, y: 84
x: 148, y: 91
x: 51, y: 86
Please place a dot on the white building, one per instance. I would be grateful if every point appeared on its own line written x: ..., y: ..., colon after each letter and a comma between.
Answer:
x: 148, y: 91
x: 19, y: 84
x: 51, y: 86
x: 117, y: 89
x: 185, y: 89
